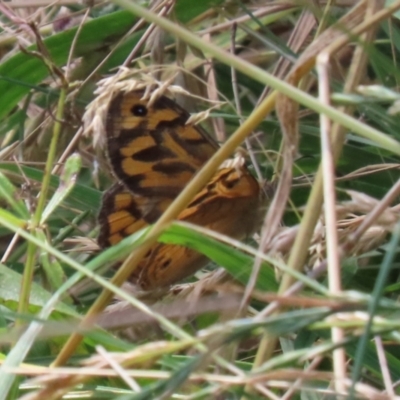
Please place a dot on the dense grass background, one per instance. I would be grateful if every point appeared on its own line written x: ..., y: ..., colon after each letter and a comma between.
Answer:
x: 213, y: 337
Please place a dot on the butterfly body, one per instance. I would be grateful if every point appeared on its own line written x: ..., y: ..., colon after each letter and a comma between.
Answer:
x: 154, y: 154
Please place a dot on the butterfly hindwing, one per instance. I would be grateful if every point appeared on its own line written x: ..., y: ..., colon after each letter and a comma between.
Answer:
x: 229, y: 204
x: 123, y: 213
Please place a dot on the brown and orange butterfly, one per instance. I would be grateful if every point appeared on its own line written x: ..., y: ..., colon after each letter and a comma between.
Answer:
x: 154, y: 154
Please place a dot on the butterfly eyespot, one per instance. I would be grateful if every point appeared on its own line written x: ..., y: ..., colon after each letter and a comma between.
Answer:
x: 231, y: 184
x: 166, y: 264
x: 139, y: 110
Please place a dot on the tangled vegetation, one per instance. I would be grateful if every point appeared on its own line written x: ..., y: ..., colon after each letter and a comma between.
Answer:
x: 307, y: 307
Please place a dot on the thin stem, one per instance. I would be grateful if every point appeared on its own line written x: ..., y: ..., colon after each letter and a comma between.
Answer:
x: 35, y: 223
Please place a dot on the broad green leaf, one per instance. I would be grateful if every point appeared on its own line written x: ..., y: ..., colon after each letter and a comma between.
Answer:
x: 234, y: 261
x: 10, y: 286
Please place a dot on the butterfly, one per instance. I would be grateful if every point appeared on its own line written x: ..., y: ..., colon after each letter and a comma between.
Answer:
x: 153, y: 154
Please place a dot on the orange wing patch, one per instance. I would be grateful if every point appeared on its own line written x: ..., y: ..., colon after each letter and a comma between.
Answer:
x: 151, y: 149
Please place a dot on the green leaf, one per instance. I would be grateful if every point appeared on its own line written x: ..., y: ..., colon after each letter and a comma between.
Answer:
x: 52, y: 268
x: 10, y: 286
x: 234, y: 261
x: 81, y: 196
x: 186, y: 10
x: 9, y: 193
x: 67, y: 182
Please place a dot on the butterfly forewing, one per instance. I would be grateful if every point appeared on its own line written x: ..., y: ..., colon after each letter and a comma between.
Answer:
x: 151, y: 149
